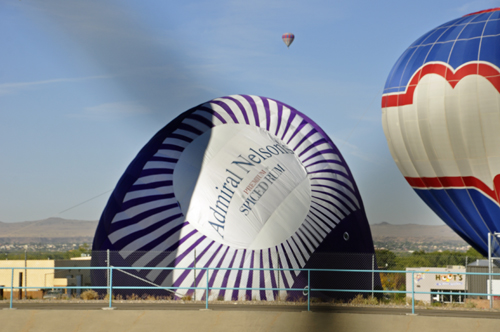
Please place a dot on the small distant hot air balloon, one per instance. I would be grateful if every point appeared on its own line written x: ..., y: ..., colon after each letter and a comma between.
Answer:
x: 288, y: 38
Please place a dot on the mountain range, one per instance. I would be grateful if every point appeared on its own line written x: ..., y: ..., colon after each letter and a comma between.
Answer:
x: 58, y: 230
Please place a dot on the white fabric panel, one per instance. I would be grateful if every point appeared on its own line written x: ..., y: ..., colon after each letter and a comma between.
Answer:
x: 144, y: 223
x: 297, y: 120
x: 447, y: 131
x: 147, y: 192
x: 273, y: 108
x: 284, y: 120
x: 260, y: 111
x: 135, y: 210
x: 394, y: 134
x: 223, y: 201
x: 239, y: 115
x: 248, y: 109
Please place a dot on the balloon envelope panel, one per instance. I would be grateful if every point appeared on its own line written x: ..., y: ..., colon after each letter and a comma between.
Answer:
x: 288, y: 38
x: 239, y: 182
x: 441, y: 118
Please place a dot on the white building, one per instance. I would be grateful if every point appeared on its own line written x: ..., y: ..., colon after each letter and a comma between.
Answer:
x: 437, y: 279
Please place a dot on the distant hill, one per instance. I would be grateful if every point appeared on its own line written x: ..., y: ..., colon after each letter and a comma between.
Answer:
x: 51, y: 230
x: 58, y: 230
x: 414, y: 233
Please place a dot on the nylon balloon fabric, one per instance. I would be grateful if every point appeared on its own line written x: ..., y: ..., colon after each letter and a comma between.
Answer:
x: 441, y: 118
x: 288, y: 38
x: 241, y: 182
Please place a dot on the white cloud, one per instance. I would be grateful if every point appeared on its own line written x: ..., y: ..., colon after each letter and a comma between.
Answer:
x: 9, y: 88
x: 110, y: 111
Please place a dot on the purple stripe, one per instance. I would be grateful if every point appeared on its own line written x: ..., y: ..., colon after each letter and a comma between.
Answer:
x: 323, y: 214
x: 340, y: 213
x: 201, y: 119
x: 186, y: 272
x: 289, y: 122
x: 299, y: 248
x: 283, y: 276
x: 265, y: 101
x: 313, y: 145
x: 189, y: 249
x: 262, y: 283
x: 226, y: 108
x: 325, y: 161
x: 214, y: 273
x: 164, y: 274
x: 288, y: 261
x: 238, y: 277
x: 226, y: 275
x: 212, y: 112
x: 141, y: 216
x: 250, y: 278
x: 171, y: 147
x: 201, y: 273
x: 152, y: 185
x: 316, y: 227
x: 315, y: 220
x: 309, y: 134
x: 336, y: 198
x: 319, y: 153
x: 151, y: 245
x: 331, y: 171
x: 343, y: 184
x: 305, y: 242
x: 280, y: 115
x: 297, y: 130
x: 241, y: 107
x: 273, y: 278
x: 165, y: 159
x: 145, y: 199
x: 254, y: 109
x: 155, y: 171
x: 191, y: 129
x: 181, y: 137
x: 312, y: 231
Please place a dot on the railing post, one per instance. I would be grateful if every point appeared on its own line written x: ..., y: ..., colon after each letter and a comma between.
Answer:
x: 308, y: 290
x: 373, y: 274
x: 194, y: 265
x: 206, y: 291
x: 490, y: 270
x: 12, y: 289
x: 107, y: 270
x: 413, y: 292
x: 110, y: 293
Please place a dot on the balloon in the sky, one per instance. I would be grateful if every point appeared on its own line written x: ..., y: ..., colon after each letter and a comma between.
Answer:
x: 237, y: 182
x: 441, y: 117
x: 288, y: 38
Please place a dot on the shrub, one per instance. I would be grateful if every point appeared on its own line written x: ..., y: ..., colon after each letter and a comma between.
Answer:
x: 89, y: 294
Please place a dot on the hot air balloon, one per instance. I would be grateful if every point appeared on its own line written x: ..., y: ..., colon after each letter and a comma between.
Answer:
x: 441, y: 118
x: 237, y: 182
x: 288, y: 38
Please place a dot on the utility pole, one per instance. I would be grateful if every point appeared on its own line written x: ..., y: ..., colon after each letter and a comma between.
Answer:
x: 25, y: 271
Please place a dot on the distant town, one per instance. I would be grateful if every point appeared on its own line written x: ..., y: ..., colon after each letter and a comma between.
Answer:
x: 407, y: 246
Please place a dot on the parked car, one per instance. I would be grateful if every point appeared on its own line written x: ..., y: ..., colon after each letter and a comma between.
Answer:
x: 54, y: 294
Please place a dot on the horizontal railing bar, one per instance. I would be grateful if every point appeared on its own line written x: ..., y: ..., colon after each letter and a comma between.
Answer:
x: 240, y: 269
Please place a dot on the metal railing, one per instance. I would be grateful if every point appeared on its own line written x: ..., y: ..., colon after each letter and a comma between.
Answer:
x: 207, y: 288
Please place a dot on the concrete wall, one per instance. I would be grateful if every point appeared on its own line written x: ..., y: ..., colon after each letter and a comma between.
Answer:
x: 47, y: 277
x: 34, y: 278
x: 241, y: 321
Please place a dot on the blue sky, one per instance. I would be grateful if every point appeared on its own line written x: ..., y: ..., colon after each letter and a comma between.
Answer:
x: 85, y: 84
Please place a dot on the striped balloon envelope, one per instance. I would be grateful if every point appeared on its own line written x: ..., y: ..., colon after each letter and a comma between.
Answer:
x: 243, y: 184
x: 288, y: 38
x: 441, y: 117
